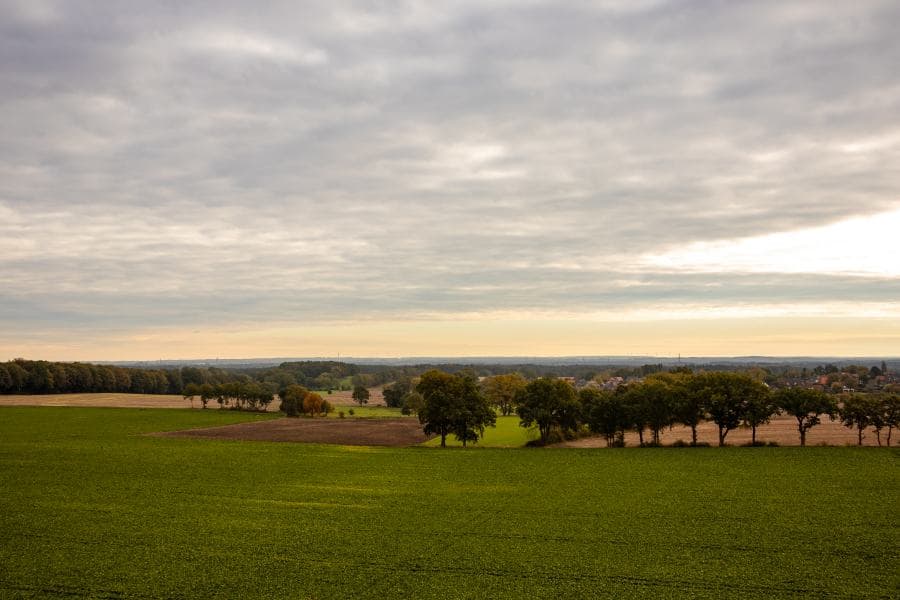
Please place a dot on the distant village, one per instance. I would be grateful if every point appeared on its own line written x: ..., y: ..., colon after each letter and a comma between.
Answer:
x: 828, y: 378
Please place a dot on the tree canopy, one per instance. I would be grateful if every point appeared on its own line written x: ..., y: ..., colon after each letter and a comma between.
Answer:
x: 548, y: 403
x: 453, y: 404
x: 807, y: 406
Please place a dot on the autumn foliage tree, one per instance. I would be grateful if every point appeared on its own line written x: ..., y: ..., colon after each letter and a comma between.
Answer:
x: 292, y: 400
x: 501, y: 391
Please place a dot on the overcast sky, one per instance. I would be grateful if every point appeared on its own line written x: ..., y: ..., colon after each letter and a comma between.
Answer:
x: 201, y: 179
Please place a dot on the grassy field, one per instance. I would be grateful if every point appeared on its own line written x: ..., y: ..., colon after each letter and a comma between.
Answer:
x: 507, y: 434
x: 91, y: 508
x: 366, y: 411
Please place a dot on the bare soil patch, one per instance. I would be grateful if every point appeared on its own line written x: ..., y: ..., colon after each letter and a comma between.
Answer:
x: 115, y: 400
x: 782, y: 430
x: 99, y: 400
x: 347, y: 432
x: 345, y: 398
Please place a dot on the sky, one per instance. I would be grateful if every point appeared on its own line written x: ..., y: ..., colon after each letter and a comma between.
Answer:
x: 468, y: 178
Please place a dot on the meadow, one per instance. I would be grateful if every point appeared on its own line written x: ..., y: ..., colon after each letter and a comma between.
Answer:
x: 506, y: 434
x: 92, y: 508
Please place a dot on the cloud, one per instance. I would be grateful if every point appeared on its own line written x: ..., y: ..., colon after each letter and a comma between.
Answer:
x: 208, y: 162
x: 236, y: 43
x: 862, y: 246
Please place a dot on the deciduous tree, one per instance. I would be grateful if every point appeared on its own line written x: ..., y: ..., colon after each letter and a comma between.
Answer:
x: 805, y: 405
x: 650, y: 404
x: 360, y: 395
x: 759, y: 407
x: 313, y: 404
x: 891, y: 413
x: 191, y: 391
x: 501, y: 391
x: 292, y: 400
x: 549, y: 403
x: 725, y: 396
x: 453, y: 404
x: 859, y: 411
x: 605, y: 414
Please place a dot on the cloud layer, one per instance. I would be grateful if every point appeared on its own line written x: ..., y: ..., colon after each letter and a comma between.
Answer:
x: 205, y: 164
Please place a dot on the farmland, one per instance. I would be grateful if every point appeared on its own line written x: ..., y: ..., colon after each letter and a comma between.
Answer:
x: 506, y: 434
x: 92, y: 508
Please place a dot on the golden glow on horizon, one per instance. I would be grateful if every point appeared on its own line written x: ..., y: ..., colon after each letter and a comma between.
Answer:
x: 861, y: 246
x: 776, y: 336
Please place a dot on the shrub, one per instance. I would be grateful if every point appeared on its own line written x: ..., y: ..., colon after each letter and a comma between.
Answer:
x: 340, y: 414
x: 351, y: 412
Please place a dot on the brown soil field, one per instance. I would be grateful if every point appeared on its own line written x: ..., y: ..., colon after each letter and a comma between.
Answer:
x: 112, y: 400
x: 347, y: 432
x: 345, y: 398
x: 99, y: 400
x: 782, y: 430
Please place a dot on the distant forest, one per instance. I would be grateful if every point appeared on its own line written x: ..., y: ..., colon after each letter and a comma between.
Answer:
x: 22, y: 376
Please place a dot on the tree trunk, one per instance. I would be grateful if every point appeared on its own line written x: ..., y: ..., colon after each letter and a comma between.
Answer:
x: 693, y: 434
x: 878, y: 436
x: 722, y: 433
x: 443, y: 440
x: 890, y: 431
x: 641, y: 436
x: 656, y: 437
x: 859, y: 435
x: 753, y: 435
x: 802, y: 431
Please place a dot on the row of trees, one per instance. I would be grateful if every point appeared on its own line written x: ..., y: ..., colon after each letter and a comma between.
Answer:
x: 238, y: 395
x: 42, y: 377
x: 878, y: 411
x: 250, y: 395
x: 456, y: 404
x: 728, y: 400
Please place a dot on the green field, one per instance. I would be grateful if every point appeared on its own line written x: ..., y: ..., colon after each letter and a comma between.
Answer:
x: 507, y: 434
x: 366, y: 411
x: 90, y: 508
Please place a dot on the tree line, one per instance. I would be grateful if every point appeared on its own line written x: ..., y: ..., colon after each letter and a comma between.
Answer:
x: 456, y: 404
x: 728, y: 400
x: 22, y: 376
x: 41, y: 377
x: 237, y: 395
